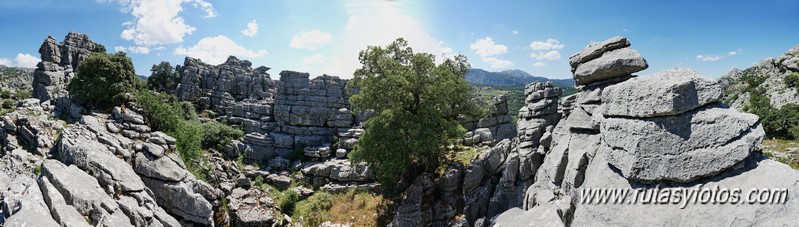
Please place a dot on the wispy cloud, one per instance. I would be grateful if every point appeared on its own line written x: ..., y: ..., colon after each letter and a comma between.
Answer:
x: 251, y: 30
x: 709, y: 57
x: 311, y: 40
x: 546, y: 50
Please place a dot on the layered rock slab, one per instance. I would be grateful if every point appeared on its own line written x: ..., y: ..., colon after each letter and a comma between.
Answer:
x: 665, y: 93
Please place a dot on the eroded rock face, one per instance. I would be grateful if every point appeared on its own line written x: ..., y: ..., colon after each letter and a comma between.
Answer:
x: 58, y: 65
x: 665, y: 93
x: 611, y: 64
x: 681, y: 148
x: 757, y: 172
x: 665, y: 130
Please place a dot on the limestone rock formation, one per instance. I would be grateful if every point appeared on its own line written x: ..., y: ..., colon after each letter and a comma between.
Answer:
x: 59, y: 64
x: 665, y: 131
x: 493, y: 128
x: 769, y: 76
x: 606, y: 60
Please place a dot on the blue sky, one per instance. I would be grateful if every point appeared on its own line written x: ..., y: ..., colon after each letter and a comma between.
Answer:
x: 324, y: 36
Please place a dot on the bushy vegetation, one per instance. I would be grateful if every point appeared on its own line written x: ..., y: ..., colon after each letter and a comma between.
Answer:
x: 216, y: 135
x: 792, y: 80
x: 163, y: 77
x: 9, y: 104
x: 782, y: 123
x: 165, y: 113
x: 104, y: 79
x: 416, y: 104
x: 287, y: 202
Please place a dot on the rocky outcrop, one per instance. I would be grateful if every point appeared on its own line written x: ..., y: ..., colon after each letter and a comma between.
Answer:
x: 662, y: 131
x: 766, y: 78
x: 59, y: 64
x: 497, y: 126
x: 606, y: 60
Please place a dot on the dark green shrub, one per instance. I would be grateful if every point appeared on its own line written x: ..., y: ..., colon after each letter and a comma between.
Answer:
x: 288, y: 202
x: 9, y: 104
x: 792, y: 80
x: 160, y: 110
x: 5, y: 94
x: 163, y: 77
x: 216, y: 135
x: 104, y: 79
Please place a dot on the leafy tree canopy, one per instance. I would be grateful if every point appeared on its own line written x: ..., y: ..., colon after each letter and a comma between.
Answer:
x: 416, y: 104
x: 104, y: 79
x: 164, y: 77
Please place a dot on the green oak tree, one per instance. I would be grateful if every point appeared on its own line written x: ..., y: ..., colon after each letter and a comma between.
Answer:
x: 163, y: 78
x: 104, y: 79
x: 416, y: 104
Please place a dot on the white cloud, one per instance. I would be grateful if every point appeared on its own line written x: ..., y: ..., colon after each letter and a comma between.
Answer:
x: 546, y: 50
x: 135, y: 49
x: 548, y: 55
x: 708, y: 57
x: 377, y: 23
x: 22, y: 60
x: 205, y: 6
x: 515, y: 32
x: 251, y: 30
x: 486, y: 47
x: 159, y: 22
x: 539, y: 64
x: 549, y: 44
x: 732, y: 53
x: 26, y: 60
x: 311, y: 40
x: 6, y: 62
x: 215, y: 50
x: 496, y: 63
x: 314, y: 60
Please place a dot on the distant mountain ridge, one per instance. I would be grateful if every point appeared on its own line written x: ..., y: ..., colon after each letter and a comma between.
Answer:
x: 510, y: 77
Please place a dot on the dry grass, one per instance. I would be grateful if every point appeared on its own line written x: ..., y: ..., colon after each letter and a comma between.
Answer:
x: 785, y: 151
x: 353, y: 208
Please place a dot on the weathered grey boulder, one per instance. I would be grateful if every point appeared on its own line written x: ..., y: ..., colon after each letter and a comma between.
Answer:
x: 251, y: 208
x: 452, y: 177
x: 92, y: 156
x: 665, y: 93
x: 282, y: 182
x: 615, y: 63
x: 538, y: 216
x: 163, y: 168
x: 62, y: 213
x: 681, y: 148
x: 181, y: 199
x: 79, y: 189
x: 595, y: 50
x: 755, y: 173
x: 30, y: 218
x: 415, y: 208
